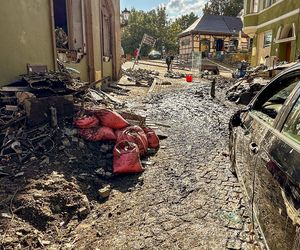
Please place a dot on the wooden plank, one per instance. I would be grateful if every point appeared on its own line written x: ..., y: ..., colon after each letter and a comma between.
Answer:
x: 14, y: 89
x: 152, y: 86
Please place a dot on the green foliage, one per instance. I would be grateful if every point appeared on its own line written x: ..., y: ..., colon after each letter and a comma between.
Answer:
x: 154, y: 23
x: 223, y: 7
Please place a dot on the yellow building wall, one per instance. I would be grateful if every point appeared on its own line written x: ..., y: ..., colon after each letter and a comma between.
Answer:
x: 26, y: 37
x: 262, y: 52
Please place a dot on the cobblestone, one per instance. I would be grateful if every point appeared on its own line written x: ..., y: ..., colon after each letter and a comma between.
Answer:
x: 187, y: 200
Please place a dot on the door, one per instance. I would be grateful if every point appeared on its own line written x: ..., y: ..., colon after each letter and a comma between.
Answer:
x: 107, y: 40
x: 288, y: 49
x: 274, y: 158
x: 219, y: 45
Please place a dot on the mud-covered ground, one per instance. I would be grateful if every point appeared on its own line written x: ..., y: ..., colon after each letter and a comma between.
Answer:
x: 187, y: 198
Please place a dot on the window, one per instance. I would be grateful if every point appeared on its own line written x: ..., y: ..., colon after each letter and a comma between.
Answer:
x: 69, y: 24
x: 106, y: 32
x: 185, y: 42
x: 272, y: 99
x: 255, y: 6
x: 267, y: 39
x: 291, y: 127
x: 268, y: 3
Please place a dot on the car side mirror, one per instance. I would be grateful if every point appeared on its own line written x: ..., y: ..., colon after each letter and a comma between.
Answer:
x: 236, y: 120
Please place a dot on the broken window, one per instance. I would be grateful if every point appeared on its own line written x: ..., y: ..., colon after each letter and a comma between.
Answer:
x: 69, y: 24
x: 106, y: 31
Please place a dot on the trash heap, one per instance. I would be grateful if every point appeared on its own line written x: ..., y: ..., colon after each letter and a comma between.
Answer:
x: 44, y: 114
x: 141, y: 76
x: 243, y: 91
x: 175, y: 75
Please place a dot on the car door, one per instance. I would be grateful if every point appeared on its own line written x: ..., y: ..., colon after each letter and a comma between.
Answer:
x: 277, y: 190
x: 265, y: 114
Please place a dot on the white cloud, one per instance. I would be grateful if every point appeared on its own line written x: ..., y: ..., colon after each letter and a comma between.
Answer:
x: 177, y: 8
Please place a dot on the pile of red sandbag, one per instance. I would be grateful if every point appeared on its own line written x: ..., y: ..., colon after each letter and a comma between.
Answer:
x: 131, y: 141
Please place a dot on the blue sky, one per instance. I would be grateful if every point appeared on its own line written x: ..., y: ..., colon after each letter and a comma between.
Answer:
x: 175, y: 8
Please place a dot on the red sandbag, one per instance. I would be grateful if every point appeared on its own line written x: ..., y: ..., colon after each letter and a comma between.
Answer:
x: 86, y: 122
x: 153, y: 140
x: 139, y: 138
x: 99, y: 134
x: 135, y: 129
x: 126, y: 158
x: 111, y: 119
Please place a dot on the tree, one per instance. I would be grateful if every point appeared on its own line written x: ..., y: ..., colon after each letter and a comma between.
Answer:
x: 223, y: 7
x: 157, y: 24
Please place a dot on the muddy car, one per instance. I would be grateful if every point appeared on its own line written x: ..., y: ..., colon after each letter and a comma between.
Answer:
x: 265, y: 156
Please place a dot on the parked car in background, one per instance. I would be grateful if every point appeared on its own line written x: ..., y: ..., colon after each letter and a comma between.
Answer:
x: 265, y: 155
x: 154, y: 54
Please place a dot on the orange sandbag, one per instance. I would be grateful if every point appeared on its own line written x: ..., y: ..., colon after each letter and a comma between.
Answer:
x: 135, y: 135
x: 111, y: 119
x: 126, y: 158
x: 153, y: 140
x: 86, y: 122
x: 99, y: 134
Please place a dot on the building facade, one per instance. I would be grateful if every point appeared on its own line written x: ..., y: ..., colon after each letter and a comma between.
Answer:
x: 213, y: 35
x: 83, y: 34
x: 273, y: 26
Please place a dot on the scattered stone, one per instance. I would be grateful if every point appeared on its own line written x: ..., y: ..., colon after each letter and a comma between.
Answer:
x: 83, y: 212
x: 105, y: 191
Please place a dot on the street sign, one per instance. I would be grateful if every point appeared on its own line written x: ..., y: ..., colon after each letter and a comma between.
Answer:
x: 149, y: 40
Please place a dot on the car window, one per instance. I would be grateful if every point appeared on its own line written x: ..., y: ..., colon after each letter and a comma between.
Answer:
x: 291, y: 127
x: 272, y: 99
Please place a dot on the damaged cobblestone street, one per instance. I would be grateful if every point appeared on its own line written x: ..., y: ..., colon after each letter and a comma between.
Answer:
x: 188, y: 199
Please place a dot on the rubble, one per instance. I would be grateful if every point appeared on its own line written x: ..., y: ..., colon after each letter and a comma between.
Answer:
x: 243, y: 91
x: 141, y: 77
x: 38, y: 137
x: 105, y: 191
x: 175, y: 75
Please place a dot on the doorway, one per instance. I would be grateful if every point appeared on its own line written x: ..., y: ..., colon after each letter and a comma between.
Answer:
x: 285, y: 50
x: 219, y: 45
x: 288, y: 50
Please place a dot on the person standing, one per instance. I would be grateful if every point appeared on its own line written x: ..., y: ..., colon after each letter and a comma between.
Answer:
x: 136, y: 54
x: 169, y: 60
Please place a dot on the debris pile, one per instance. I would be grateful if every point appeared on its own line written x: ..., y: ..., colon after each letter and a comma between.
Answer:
x: 58, y: 138
x: 37, y: 116
x: 175, y: 75
x: 243, y: 91
x: 132, y: 142
x: 141, y: 77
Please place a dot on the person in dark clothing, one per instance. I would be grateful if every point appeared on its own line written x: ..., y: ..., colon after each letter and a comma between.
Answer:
x: 169, y: 60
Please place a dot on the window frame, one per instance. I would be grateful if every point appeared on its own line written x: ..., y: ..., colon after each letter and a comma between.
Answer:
x: 71, y: 30
x: 267, y: 45
x: 279, y: 121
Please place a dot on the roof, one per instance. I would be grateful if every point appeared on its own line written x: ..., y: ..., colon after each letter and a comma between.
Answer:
x: 215, y: 25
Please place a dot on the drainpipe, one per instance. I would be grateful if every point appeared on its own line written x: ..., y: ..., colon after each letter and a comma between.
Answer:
x: 53, y: 34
